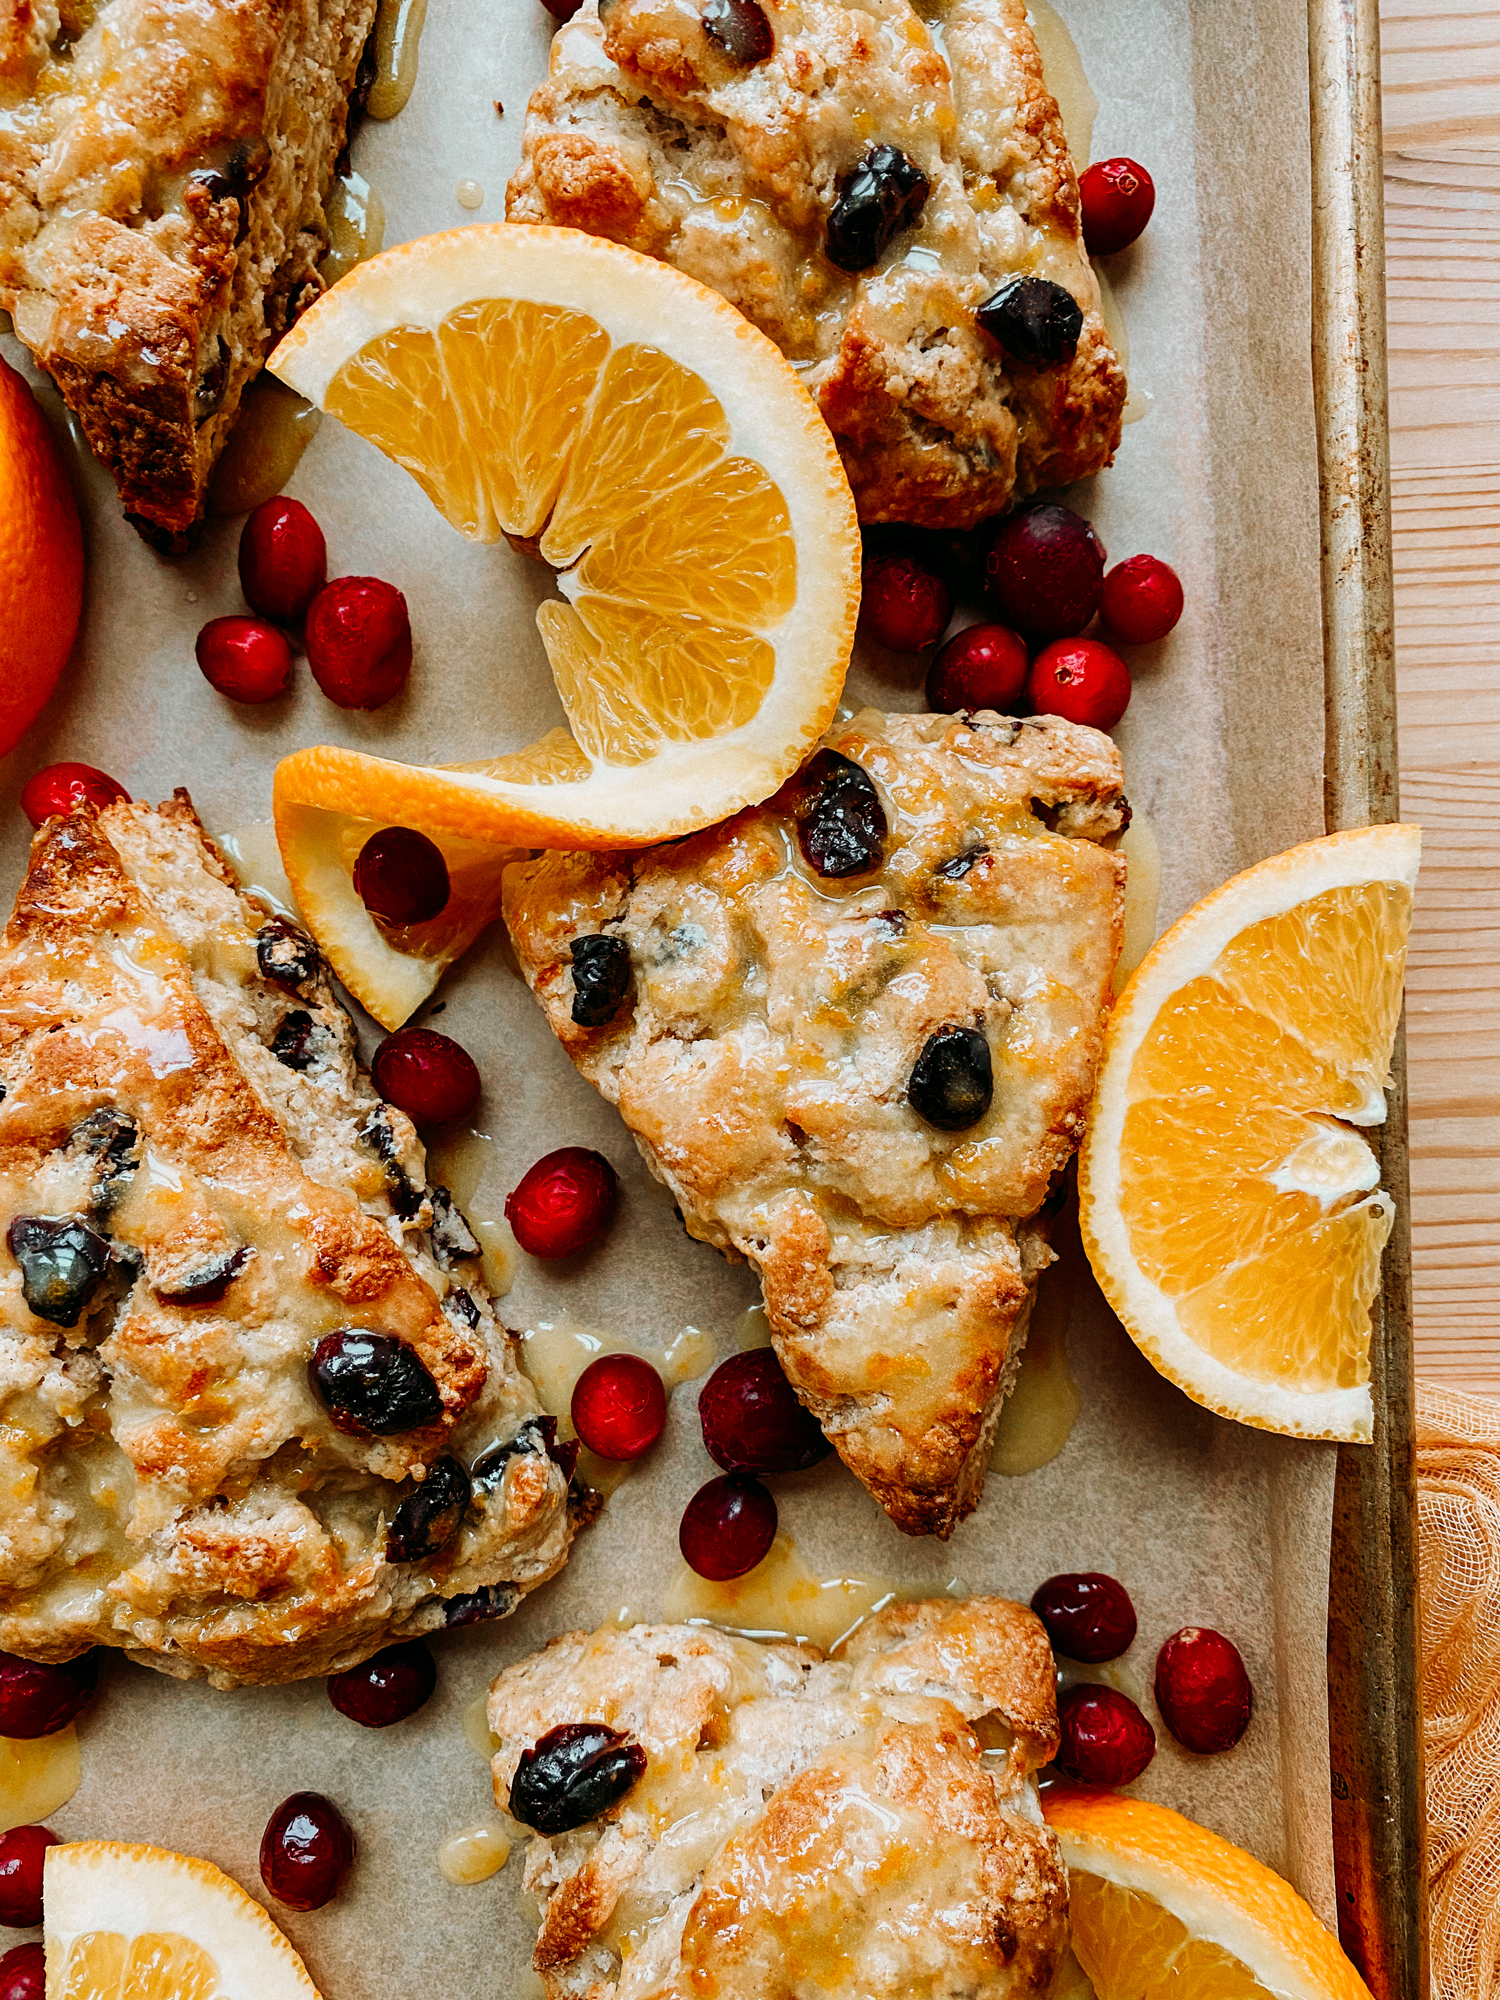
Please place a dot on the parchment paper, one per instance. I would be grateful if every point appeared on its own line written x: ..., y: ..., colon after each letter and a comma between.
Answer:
x: 1204, y: 1521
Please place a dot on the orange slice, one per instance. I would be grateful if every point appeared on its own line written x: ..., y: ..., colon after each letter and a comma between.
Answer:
x: 1163, y: 1909
x: 625, y: 424
x: 140, y: 1923
x: 1231, y: 1210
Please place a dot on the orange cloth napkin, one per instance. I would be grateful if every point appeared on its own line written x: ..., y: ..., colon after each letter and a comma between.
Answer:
x: 1458, y: 1518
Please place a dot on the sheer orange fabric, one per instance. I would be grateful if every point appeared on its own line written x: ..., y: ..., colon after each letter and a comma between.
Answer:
x: 1458, y: 1513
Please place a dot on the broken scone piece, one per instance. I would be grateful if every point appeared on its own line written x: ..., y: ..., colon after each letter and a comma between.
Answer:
x: 756, y: 1822
x: 257, y: 1416
x: 854, y: 1030
x: 885, y: 190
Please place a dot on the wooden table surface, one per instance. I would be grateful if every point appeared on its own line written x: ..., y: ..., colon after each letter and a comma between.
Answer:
x: 1441, y: 65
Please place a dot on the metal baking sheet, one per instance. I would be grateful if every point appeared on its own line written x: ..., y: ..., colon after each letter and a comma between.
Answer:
x: 1374, y: 1705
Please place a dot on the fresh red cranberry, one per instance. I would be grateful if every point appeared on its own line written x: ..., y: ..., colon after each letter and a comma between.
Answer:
x: 752, y: 1421
x: 903, y: 605
x: 23, y: 1973
x: 1118, y: 197
x: 1105, y: 1738
x: 63, y: 788
x: 306, y: 1851
x: 245, y: 659
x: 401, y: 876
x: 426, y: 1075
x: 562, y: 10
x: 619, y: 1406
x: 1142, y: 599
x: 37, y: 1700
x: 358, y: 640
x: 1044, y: 570
x: 283, y: 559
x: 21, y: 1852
x: 560, y: 1205
x: 1202, y: 1689
x: 385, y: 1689
x: 984, y: 666
x: 727, y: 1527
x: 1082, y: 679
x: 1087, y: 1616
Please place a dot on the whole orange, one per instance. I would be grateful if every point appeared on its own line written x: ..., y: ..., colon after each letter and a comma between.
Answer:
x: 41, y: 560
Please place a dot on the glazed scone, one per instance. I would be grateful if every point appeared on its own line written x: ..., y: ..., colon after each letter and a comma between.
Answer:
x: 775, y: 1026
x: 163, y: 165
x: 199, y: 1186
x: 728, y: 165
x: 862, y: 1828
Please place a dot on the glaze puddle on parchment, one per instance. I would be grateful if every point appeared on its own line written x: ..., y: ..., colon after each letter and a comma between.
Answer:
x: 556, y: 1350
x: 272, y: 430
x: 1062, y: 67
x: 1038, y: 1415
x: 783, y: 1599
x: 398, y: 33
x: 356, y: 225
x: 474, y: 1853
x: 1142, y: 854
x: 1138, y: 400
x: 252, y: 851
x: 457, y: 1161
x: 37, y: 1775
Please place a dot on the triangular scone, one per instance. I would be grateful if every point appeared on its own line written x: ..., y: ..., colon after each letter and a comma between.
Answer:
x: 863, y: 1828
x: 734, y: 161
x: 769, y: 1022
x: 198, y: 1185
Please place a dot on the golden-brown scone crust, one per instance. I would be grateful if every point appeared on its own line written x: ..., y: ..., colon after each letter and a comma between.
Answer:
x: 169, y: 1481
x: 762, y: 1058
x: 647, y: 132
x: 865, y: 1827
x: 163, y: 165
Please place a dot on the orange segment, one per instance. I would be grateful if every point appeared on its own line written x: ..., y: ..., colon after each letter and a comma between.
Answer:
x: 655, y: 424
x: 1230, y: 1205
x: 1129, y: 1944
x: 1162, y: 1909
x: 626, y: 424
x: 140, y: 1923
x: 103, y: 1965
x: 697, y: 680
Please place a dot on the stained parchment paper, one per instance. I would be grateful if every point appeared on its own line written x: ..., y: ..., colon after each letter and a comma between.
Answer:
x: 1204, y: 1521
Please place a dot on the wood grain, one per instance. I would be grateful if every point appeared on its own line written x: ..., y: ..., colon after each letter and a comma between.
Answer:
x: 1441, y: 64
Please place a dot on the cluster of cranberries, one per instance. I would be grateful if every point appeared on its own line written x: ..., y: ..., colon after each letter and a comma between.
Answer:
x: 355, y: 629
x: 1202, y: 1689
x: 1042, y: 574
x: 754, y: 1427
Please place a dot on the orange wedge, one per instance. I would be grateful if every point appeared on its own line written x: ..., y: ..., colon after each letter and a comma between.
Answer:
x: 140, y: 1923
x: 1163, y: 1909
x: 625, y: 424
x: 1230, y: 1207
